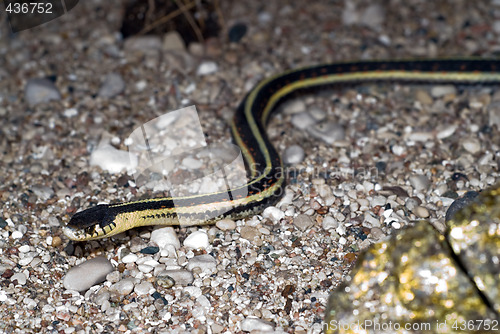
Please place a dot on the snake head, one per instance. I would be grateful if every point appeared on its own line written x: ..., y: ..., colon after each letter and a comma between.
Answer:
x: 93, y: 223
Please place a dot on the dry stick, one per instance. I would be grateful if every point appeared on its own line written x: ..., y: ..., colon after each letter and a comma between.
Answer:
x: 166, y: 18
x: 189, y: 18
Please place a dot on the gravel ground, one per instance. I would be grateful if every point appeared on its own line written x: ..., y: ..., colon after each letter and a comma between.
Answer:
x: 352, y: 152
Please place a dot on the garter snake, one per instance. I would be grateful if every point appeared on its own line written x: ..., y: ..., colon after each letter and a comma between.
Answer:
x: 266, y: 177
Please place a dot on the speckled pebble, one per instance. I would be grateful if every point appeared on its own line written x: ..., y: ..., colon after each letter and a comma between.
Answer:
x: 249, y: 233
x: 40, y: 90
x: 87, y: 274
x: 197, y: 240
x: 303, y: 222
x: 226, y: 224
x: 164, y: 236
x: 254, y: 324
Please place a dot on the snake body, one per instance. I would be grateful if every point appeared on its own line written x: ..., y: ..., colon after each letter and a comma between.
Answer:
x: 264, y: 165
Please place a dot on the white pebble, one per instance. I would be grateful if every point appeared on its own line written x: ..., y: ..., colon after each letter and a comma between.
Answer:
x: 293, y: 155
x: 226, y: 224
x: 446, y: 131
x: 112, y: 160
x: 144, y: 288
x: 254, y: 324
x: 329, y: 223
x: 164, y: 236
x: 24, y: 248
x: 124, y: 287
x: 71, y: 112
x: 17, y: 235
x: 130, y: 258
x: 398, y: 150
x: 197, y: 240
x: 273, y: 213
x: 207, y: 67
x: 471, y: 145
x: 19, y: 277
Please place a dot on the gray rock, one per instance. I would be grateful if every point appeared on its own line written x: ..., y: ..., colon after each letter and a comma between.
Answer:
x: 87, y: 274
x: 113, y: 85
x: 303, y: 222
x: 40, y: 90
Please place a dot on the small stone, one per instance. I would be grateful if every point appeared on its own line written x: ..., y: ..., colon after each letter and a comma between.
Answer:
x: 439, y: 91
x: 303, y: 120
x: 317, y: 113
x: 254, y: 324
x: 113, y: 85
x: 207, y: 67
x: 294, y: 107
x: 143, y: 43
x: 129, y: 258
x: 273, y: 213
x: 421, y: 212
x: 293, y: 155
x: 87, y: 274
x: 423, y: 97
x: 464, y: 201
x: 144, y: 288
x: 173, y: 41
x: 40, y: 90
x: 150, y: 250
x: 237, y: 32
x: 329, y: 223
x: 226, y: 224
x: 471, y: 145
x: 18, y: 278
x: 164, y: 236
x: 329, y: 132
x: 179, y: 276
x: 192, y: 163
x: 445, y: 131
x: 56, y: 241
x: 303, y: 222
x: 123, y: 288
x: 42, y: 192
x: 71, y: 112
x: 205, y: 262
x: 197, y: 240
x: 420, y: 182
x: 249, y: 233
x: 112, y: 160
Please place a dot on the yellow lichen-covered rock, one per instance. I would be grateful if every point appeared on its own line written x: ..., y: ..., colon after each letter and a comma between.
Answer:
x: 474, y: 235
x: 411, y: 283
